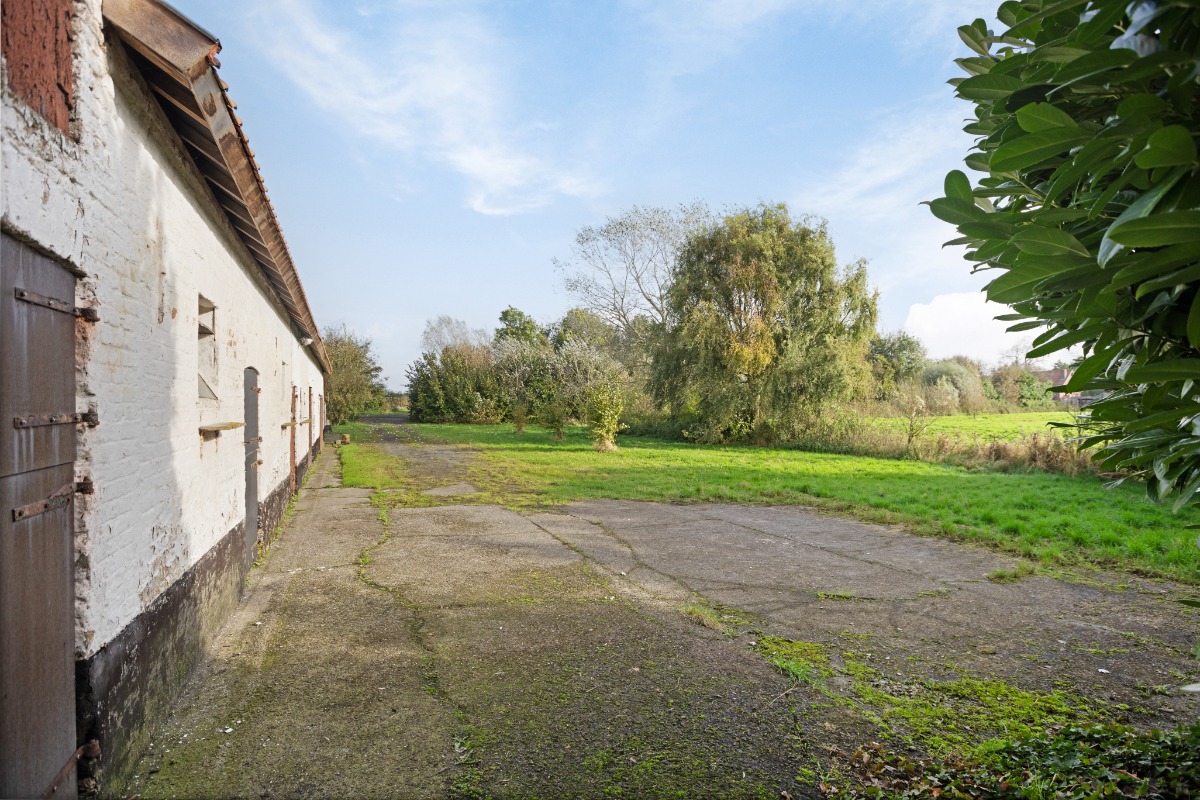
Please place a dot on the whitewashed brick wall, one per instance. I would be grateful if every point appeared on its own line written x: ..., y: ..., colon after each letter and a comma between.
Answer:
x: 119, y: 202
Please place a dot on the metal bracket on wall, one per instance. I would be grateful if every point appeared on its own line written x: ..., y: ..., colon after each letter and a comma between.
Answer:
x: 90, y: 418
x: 89, y: 750
x: 57, y: 500
x: 89, y: 314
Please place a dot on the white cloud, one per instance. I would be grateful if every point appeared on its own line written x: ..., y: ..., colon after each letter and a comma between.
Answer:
x: 962, y: 323
x: 431, y: 81
x: 872, y: 197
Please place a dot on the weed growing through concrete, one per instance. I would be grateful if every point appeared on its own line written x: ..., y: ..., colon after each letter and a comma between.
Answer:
x: 839, y: 596
x: 1023, y: 569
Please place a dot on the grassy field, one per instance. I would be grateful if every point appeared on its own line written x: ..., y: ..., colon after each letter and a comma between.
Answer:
x: 1051, y: 518
x: 987, y: 426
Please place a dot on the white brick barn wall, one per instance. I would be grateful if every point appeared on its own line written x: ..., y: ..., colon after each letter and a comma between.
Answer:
x: 120, y: 202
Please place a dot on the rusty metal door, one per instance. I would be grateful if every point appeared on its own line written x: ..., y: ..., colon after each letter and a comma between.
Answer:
x: 37, y: 487
x: 253, y: 439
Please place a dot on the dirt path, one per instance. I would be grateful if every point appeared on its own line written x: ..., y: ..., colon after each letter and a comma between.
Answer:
x: 470, y: 651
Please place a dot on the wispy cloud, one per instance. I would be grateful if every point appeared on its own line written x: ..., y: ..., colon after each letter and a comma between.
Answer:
x: 695, y: 34
x: 692, y: 35
x: 428, y: 80
x: 873, y: 196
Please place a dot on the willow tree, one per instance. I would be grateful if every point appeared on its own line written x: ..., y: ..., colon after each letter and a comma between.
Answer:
x: 762, y: 326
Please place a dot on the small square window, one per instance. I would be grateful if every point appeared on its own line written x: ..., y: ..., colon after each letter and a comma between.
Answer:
x: 206, y: 349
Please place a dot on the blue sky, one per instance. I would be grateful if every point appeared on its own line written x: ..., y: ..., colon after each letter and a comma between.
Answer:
x: 432, y: 157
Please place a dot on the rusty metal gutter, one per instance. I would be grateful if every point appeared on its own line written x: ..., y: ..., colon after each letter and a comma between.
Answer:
x: 179, y: 62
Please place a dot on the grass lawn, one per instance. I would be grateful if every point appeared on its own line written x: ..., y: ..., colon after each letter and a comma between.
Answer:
x: 988, y: 426
x: 1053, y: 518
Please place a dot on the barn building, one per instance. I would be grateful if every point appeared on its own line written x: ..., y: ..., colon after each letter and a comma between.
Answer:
x: 161, y: 379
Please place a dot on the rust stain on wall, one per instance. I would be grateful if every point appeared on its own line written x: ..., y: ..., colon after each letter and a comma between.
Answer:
x: 36, y: 39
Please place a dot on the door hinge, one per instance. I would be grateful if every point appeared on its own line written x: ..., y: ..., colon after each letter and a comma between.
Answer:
x: 57, y: 500
x: 89, y: 418
x: 89, y: 314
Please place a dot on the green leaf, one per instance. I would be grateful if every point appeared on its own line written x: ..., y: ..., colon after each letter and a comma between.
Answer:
x: 1082, y: 278
x: 1173, y: 227
x: 1151, y: 265
x: 955, y: 211
x: 1181, y: 369
x: 978, y: 161
x: 1139, y: 105
x: 973, y: 39
x: 1094, y: 63
x: 1033, y: 148
x: 1066, y: 340
x: 1024, y: 326
x: 1093, y: 365
x: 1169, y: 418
x: 1137, y: 210
x: 1019, y: 280
x: 1178, y: 278
x: 958, y: 186
x: 1027, y: 25
x: 1186, y: 494
x: 1042, y: 116
x: 975, y: 65
x: 1168, y: 147
x: 1040, y: 241
x: 987, y: 230
x: 1059, y: 55
x: 1193, y: 322
x: 989, y: 86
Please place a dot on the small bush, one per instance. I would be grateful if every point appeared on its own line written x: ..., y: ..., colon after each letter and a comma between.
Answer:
x: 554, y: 416
x: 605, y: 403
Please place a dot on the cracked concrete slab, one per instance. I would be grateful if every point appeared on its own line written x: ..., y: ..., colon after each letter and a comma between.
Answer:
x: 459, y: 651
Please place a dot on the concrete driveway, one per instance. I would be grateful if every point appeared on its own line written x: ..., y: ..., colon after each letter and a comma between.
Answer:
x: 471, y: 651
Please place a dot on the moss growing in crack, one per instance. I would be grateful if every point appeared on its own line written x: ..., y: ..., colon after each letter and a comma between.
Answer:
x: 801, y: 662
x: 965, y: 717
x: 839, y: 596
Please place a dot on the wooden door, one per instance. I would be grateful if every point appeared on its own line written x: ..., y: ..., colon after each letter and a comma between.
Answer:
x: 37, y: 488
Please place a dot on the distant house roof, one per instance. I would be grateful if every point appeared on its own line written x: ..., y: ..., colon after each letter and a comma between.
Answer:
x: 178, y: 60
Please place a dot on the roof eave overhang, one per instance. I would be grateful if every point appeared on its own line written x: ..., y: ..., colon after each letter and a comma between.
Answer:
x: 194, y: 99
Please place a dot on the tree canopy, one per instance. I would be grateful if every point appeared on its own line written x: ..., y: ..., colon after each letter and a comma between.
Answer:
x: 353, y: 383
x: 1088, y: 214
x: 761, y: 324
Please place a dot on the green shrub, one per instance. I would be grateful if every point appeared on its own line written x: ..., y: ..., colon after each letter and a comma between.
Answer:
x: 606, y: 402
x: 1077, y: 762
x: 1086, y: 118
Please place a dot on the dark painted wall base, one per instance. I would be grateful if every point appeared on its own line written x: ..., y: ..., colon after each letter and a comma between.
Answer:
x: 129, y: 686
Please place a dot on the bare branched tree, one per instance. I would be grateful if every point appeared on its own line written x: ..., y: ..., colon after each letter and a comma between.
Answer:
x: 622, y: 270
x: 445, y: 331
